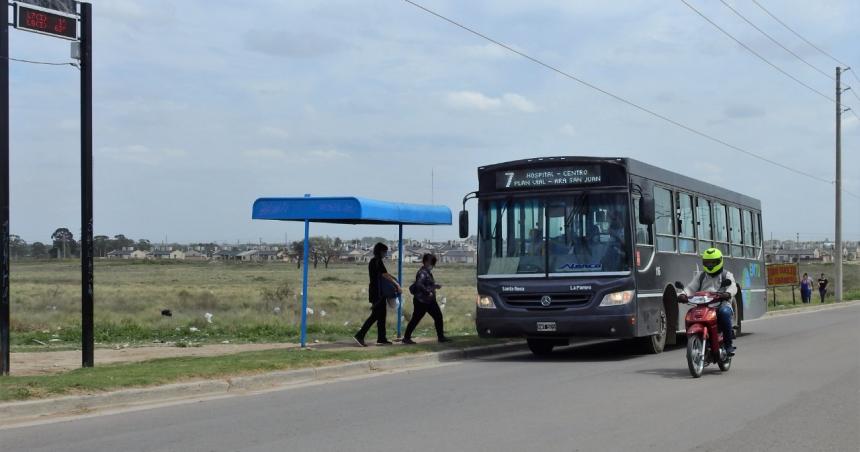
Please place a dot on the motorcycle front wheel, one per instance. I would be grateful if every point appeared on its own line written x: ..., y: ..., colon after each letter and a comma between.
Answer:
x: 696, y: 355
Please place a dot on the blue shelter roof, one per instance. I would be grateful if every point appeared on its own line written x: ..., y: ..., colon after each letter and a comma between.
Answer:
x: 348, y: 210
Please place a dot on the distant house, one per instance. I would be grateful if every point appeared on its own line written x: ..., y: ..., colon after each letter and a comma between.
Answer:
x: 193, y: 255
x: 120, y: 254
x: 226, y: 255
x: 159, y: 255
x: 139, y: 254
x: 788, y: 256
x: 178, y: 255
x: 459, y: 257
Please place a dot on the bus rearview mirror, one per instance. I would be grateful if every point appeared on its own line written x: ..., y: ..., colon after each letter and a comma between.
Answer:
x: 464, y: 224
x: 646, y: 210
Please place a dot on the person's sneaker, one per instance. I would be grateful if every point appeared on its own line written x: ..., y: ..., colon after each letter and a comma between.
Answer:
x: 444, y: 339
x: 730, y: 350
x: 359, y: 340
x: 407, y: 341
x: 383, y: 342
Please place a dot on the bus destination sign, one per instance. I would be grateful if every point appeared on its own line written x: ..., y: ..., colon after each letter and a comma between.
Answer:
x: 549, y: 177
x: 46, y: 22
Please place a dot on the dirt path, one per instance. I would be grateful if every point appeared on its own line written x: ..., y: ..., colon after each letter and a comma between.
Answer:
x: 41, y: 363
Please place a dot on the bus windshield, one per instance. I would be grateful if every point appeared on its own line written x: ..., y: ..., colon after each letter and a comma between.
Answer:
x: 584, y: 232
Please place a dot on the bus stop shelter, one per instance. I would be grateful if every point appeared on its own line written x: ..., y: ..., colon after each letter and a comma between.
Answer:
x: 348, y: 210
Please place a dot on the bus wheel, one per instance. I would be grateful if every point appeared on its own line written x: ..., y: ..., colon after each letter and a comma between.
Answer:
x: 541, y: 347
x: 655, y: 343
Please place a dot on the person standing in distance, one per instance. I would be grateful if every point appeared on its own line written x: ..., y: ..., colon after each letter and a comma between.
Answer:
x: 806, y: 288
x: 378, y: 275
x: 822, y: 287
x: 424, y: 301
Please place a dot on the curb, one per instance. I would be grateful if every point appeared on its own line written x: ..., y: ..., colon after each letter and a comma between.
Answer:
x: 825, y: 307
x: 32, y: 410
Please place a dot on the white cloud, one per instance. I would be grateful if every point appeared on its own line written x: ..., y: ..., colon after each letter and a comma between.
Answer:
x: 519, y: 102
x: 473, y: 100
x: 138, y: 153
x: 567, y: 129
x: 274, y: 131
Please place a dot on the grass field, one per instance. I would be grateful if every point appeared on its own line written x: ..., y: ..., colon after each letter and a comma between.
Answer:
x: 248, y: 302
x: 242, y: 298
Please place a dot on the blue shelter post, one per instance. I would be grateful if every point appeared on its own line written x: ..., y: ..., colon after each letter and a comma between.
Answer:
x: 399, y: 276
x: 304, y: 337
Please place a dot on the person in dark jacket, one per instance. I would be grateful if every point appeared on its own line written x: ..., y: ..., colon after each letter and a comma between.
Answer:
x: 377, y: 272
x: 424, y: 301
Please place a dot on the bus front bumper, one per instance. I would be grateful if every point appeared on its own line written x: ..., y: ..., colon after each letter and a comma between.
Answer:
x: 537, y: 325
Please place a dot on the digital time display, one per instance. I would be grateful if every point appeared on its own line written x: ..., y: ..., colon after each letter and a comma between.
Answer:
x: 45, y: 22
x: 549, y: 177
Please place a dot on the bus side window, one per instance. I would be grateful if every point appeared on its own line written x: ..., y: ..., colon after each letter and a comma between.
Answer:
x: 686, y: 231
x: 665, y: 223
x: 721, y: 230
x: 703, y: 225
x: 735, y: 232
x: 749, y: 251
x: 643, y: 231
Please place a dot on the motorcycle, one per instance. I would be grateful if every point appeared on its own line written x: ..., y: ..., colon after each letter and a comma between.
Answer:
x: 704, y: 340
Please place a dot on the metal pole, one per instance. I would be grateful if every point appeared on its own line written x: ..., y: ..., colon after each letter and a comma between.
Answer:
x: 87, y: 333
x: 304, y: 336
x: 838, y: 250
x: 4, y: 191
x: 399, y: 277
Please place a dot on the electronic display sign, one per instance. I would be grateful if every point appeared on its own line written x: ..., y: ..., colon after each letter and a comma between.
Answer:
x: 46, y: 22
x: 567, y: 176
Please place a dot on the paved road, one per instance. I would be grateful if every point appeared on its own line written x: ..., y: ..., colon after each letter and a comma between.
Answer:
x: 795, y: 386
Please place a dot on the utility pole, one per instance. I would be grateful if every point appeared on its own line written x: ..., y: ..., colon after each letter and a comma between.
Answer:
x: 4, y: 190
x: 87, y: 326
x: 838, y: 250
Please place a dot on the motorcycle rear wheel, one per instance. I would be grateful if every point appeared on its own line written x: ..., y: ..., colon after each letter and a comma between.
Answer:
x: 696, y: 355
x: 726, y: 364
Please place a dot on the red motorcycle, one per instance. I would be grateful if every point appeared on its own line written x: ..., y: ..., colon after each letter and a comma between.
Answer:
x: 704, y: 340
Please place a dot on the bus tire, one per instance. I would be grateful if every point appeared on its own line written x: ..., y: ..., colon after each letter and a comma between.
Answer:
x: 737, y: 307
x: 655, y: 343
x: 541, y: 347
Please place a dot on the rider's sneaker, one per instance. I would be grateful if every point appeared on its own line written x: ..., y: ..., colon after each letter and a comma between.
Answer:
x: 730, y: 350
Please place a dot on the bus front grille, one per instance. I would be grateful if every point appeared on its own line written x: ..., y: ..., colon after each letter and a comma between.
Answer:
x: 533, y: 301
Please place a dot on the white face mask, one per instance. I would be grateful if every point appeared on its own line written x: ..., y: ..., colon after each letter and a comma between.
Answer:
x: 430, y: 268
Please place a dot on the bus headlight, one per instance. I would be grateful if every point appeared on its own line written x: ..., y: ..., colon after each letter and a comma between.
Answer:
x: 485, y: 302
x: 618, y: 298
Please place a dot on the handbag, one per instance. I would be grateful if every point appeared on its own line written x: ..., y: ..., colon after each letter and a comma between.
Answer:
x: 387, y: 289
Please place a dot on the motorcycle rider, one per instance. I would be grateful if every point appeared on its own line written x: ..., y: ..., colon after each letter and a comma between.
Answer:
x: 710, y: 280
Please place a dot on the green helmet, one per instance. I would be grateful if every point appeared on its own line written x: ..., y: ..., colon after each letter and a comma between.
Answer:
x: 712, y: 260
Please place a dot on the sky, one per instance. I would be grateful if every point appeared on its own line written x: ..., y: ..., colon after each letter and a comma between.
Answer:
x: 201, y: 107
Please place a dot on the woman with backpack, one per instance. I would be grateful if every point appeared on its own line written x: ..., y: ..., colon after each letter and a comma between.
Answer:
x: 424, y: 301
x: 381, y: 282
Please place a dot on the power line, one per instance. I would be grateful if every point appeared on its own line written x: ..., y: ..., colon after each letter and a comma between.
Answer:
x: 775, y: 41
x: 46, y: 63
x: 758, y: 55
x: 615, y: 96
x: 798, y: 34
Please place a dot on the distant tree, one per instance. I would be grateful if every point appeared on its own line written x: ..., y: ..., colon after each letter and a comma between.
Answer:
x: 100, y: 245
x: 64, y: 243
x: 324, y: 249
x: 143, y: 245
x: 119, y: 242
x: 18, y: 248
x: 298, y: 248
x: 38, y: 250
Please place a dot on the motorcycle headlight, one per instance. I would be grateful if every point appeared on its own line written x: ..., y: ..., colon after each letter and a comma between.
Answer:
x: 618, y: 298
x: 486, y: 302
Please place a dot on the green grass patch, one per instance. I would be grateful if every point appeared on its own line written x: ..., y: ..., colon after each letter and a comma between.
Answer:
x: 172, y: 370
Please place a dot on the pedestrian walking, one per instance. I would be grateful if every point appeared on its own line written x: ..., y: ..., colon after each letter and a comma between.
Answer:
x: 822, y: 287
x: 381, y: 282
x: 806, y: 289
x: 424, y: 300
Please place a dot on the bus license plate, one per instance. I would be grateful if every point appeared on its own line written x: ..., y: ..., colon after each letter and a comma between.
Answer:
x: 546, y: 326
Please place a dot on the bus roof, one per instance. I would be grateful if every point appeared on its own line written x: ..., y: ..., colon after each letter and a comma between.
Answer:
x: 641, y: 169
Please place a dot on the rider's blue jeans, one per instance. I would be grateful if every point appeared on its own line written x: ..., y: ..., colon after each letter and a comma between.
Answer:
x: 724, y: 323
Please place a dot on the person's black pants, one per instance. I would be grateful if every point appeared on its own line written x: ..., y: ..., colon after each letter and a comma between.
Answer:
x: 376, y: 315
x: 418, y: 311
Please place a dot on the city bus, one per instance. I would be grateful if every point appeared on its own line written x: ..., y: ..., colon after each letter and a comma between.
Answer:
x: 591, y: 247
